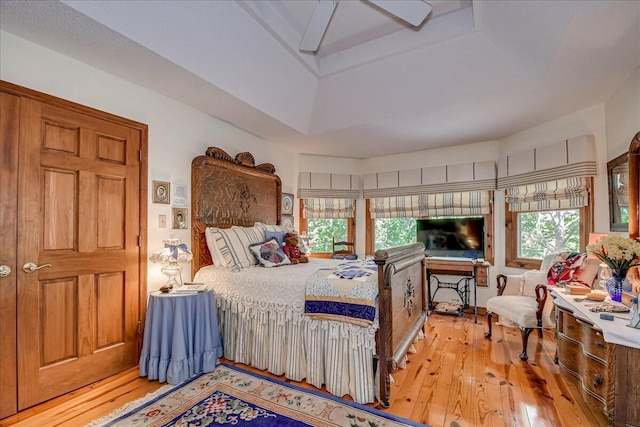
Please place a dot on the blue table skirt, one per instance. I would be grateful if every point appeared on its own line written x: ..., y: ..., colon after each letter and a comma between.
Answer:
x: 181, y: 337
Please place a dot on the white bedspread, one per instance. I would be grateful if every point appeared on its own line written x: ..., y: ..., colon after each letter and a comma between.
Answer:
x: 280, y: 289
x: 263, y: 325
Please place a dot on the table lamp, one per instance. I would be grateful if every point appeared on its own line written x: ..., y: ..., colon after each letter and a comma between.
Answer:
x: 173, y: 253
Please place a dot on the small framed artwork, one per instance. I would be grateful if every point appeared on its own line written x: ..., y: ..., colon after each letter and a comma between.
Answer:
x: 179, y: 194
x: 287, y: 221
x: 287, y: 204
x: 161, y: 192
x: 179, y: 217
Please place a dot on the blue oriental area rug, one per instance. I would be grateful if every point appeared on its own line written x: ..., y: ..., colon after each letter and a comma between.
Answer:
x: 232, y: 396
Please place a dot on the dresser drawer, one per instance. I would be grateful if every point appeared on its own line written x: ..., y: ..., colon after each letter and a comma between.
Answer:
x: 593, y: 342
x: 592, y: 375
x: 569, y: 326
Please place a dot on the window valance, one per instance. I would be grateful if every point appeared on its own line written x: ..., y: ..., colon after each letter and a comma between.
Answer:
x: 431, y: 180
x: 442, y: 204
x: 328, y: 208
x: 313, y: 185
x: 553, y: 195
x: 571, y: 158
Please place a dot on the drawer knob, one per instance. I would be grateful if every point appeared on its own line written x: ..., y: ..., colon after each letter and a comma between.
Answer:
x: 597, y: 380
x: 569, y: 326
x: 599, y: 344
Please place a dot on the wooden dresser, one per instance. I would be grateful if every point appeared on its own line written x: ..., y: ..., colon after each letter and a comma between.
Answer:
x: 606, y: 372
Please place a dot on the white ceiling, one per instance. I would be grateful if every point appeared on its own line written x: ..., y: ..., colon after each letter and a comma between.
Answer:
x: 474, y: 71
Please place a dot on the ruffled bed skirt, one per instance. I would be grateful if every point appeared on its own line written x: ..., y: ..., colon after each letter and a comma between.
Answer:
x: 334, y: 354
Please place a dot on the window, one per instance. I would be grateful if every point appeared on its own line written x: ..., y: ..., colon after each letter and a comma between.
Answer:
x: 532, y: 235
x: 392, y: 232
x: 322, y: 232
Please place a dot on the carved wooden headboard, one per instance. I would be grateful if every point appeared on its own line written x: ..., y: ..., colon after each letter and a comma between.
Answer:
x: 227, y: 191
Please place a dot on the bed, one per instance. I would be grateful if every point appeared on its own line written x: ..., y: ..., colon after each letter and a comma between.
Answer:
x: 262, y: 310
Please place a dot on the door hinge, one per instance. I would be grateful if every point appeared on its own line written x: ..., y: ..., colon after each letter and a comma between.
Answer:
x: 139, y: 241
x: 140, y: 155
x: 139, y: 328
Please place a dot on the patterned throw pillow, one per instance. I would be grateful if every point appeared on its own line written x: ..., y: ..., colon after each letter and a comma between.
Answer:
x: 269, y: 253
x: 564, y: 267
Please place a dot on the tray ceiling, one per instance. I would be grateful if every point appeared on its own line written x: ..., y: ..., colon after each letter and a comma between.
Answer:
x: 473, y: 71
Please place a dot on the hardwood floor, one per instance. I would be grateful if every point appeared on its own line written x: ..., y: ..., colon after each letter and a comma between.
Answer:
x: 456, y: 378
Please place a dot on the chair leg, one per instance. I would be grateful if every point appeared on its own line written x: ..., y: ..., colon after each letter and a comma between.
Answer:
x: 488, y: 334
x: 525, y: 340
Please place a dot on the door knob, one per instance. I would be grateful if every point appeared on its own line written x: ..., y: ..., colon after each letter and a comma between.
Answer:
x: 30, y: 267
x: 5, y: 270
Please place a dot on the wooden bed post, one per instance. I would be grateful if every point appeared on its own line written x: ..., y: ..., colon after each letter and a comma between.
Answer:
x: 398, y: 296
x: 384, y: 333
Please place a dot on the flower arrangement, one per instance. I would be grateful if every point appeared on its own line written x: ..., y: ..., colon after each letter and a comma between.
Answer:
x: 618, y: 252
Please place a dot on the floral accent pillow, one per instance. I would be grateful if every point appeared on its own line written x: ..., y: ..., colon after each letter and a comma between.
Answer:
x: 564, y: 267
x: 269, y: 253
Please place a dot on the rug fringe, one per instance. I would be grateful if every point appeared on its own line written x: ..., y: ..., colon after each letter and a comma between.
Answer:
x: 128, y: 406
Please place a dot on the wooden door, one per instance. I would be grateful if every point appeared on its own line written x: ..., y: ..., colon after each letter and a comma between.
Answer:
x: 9, y: 124
x: 79, y: 212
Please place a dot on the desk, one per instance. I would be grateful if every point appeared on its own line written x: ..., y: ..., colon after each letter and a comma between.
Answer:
x: 470, y: 271
x: 181, y: 337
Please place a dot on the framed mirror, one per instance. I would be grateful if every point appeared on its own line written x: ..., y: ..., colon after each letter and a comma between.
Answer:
x: 618, y: 173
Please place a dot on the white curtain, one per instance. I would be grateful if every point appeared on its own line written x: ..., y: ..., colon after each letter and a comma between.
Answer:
x: 545, y: 196
x: 328, y: 208
x: 551, y: 177
x: 444, y: 204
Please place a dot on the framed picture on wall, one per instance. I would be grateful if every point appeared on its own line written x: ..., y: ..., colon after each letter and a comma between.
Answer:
x: 287, y: 221
x: 160, y: 192
x: 287, y: 204
x: 179, y: 216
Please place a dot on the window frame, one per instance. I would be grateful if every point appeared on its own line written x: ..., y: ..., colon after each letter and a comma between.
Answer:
x: 511, y: 235
x: 303, y: 226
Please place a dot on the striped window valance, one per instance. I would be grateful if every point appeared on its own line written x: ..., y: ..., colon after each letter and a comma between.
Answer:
x: 553, y: 195
x: 431, y: 180
x: 313, y: 185
x: 443, y: 204
x: 575, y: 157
x: 328, y: 208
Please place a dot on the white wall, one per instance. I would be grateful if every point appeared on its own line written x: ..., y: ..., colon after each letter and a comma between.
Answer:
x: 622, y: 112
x: 177, y: 133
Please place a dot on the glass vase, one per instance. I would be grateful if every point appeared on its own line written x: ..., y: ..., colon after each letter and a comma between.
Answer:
x: 615, y: 287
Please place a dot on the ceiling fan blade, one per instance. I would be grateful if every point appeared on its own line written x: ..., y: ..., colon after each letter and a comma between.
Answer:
x: 318, y: 25
x: 412, y: 11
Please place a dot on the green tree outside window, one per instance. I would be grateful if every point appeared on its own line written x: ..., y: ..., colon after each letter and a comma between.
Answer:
x: 392, y: 232
x: 546, y: 232
x: 322, y: 232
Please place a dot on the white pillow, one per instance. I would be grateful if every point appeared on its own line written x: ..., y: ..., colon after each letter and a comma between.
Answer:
x: 514, y: 285
x: 531, y: 279
x: 234, y: 242
x: 216, y: 256
x: 271, y: 227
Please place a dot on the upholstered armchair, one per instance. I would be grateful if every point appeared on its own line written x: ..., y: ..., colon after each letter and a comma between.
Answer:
x: 522, y: 299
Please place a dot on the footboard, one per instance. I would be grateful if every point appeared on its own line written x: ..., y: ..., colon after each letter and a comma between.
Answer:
x: 402, y: 305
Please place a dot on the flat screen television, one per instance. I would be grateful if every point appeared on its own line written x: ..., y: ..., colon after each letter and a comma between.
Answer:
x: 452, y: 237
